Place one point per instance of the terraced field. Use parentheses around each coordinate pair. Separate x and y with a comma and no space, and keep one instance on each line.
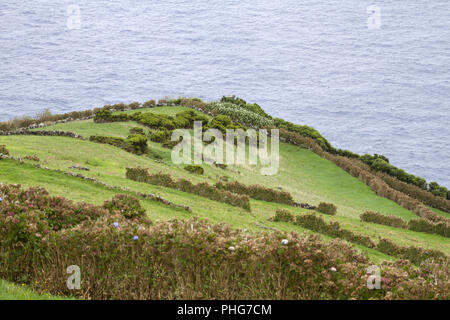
(306,176)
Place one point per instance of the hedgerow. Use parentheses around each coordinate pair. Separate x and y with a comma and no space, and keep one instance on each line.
(376,217)
(202,189)
(103,116)
(333,229)
(416,255)
(135,143)
(253,107)
(257,192)
(357,169)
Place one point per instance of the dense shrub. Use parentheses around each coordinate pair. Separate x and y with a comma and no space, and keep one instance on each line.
(3,150)
(202,189)
(134,105)
(375,217)
(161,135)
(138,142)
(283,215)
(194,169)
(327,208)
(149,104)
(333,229)
(126,205)
(253,107)
(238,114)
(257,192)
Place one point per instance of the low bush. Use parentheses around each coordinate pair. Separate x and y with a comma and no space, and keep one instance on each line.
(257,192)
(327,208)
(375,217)
(126,205)
(202,189)
(283,215)
(3,150)
(161,135)
(149,104)
(194,169)
(134,105)
(137,130)
(138,143)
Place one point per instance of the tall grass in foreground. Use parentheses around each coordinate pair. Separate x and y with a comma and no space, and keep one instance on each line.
(122,255)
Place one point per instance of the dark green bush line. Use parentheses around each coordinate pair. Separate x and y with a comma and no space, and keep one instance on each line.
(103,116)
(122,255)
(327,208)
(257,192)
(420,225)
(135,143)
(361,171)
(333,229)
(194,169)
(315,223)
(202,189)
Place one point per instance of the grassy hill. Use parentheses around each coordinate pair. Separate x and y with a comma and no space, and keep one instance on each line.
(305,175)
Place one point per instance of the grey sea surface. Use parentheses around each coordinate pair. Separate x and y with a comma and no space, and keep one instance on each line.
(370,90)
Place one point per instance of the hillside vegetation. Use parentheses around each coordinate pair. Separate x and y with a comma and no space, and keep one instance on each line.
(198,229)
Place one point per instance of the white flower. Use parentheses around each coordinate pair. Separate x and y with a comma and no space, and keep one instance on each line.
(284,241)
(231,248)
(333,269)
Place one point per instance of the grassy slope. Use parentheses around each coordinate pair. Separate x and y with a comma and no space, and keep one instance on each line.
(9,291)
(307,176)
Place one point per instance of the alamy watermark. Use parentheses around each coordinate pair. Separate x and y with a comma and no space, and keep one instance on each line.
(374,20)
(374,277)
(73,17)
(74,281)
(235,145)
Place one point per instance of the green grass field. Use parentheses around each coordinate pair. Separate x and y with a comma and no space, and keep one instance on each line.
(308,177)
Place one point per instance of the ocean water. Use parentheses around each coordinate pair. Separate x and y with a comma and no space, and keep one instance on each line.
(314,62)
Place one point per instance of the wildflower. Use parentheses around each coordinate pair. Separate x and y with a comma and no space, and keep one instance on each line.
(284,241)
(1,199)
(135,238)
(333,269)
(116,225)
(231,248)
